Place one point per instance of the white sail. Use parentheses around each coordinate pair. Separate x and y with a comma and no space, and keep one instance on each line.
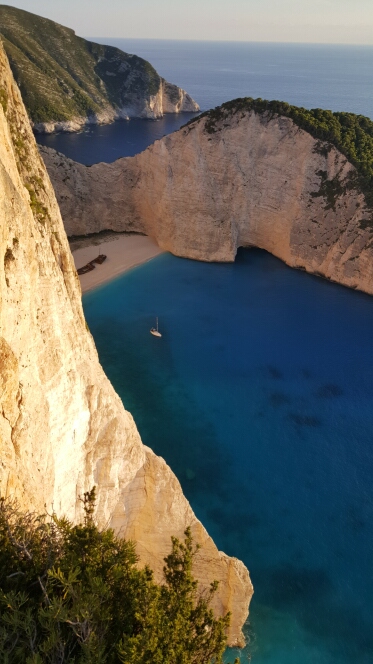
(154,330)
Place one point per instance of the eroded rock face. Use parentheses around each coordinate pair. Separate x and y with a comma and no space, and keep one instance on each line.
(63,429)
(168,99)
(256,181)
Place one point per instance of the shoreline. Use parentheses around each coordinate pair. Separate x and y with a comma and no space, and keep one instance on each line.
(123,252)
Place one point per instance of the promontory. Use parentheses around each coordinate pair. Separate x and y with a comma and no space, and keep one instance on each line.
(67,81)
(294,182)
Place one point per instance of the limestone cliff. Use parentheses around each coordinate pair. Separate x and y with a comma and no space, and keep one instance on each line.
(246,179)
(63,429)
(67,82)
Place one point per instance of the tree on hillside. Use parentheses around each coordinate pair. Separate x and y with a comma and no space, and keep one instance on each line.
(73,595)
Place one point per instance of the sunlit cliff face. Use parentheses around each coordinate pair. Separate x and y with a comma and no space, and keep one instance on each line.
(253,181)
(63,429)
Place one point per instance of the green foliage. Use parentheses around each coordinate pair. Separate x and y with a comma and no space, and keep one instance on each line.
(3,99)
(351,134)
(62,76)
(73,594)
(177,625)
(38,208)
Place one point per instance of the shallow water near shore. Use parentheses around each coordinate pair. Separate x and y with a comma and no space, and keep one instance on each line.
(259,397)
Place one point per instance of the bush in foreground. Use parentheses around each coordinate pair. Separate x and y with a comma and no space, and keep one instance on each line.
(73,594)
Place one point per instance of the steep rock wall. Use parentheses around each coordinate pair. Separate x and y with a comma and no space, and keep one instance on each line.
(255,180)
(169,98)
(63,429)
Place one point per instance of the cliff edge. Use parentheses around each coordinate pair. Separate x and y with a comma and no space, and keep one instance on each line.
(67,81)
(63,429)
(246,174)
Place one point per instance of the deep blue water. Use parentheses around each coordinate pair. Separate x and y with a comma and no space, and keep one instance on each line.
(339,78)
(259,396)
(110,142)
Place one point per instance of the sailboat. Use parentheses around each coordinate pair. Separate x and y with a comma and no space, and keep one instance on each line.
(155,331)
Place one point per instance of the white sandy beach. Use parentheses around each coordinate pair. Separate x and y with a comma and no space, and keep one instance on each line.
(123,252)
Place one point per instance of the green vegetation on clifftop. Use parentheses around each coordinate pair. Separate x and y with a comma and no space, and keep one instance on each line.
(351,134)
(74,594)
(62,76)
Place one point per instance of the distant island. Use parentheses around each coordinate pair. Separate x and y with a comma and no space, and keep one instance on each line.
(67,82)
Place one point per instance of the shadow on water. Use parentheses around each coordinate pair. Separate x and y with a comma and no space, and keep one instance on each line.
(288,584)
(123,138)
(256,418)
(329,391)
(308,595)
(277,399)
(275,373)
(304,420)
(168,419)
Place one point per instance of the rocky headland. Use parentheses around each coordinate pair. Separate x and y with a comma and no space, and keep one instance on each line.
(250,173)
(63,428)
(67,82)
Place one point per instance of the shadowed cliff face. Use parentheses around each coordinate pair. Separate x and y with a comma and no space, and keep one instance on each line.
(63,429)
(254,181)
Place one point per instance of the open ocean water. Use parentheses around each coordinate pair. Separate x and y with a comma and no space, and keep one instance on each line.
(259,393)
(336,77)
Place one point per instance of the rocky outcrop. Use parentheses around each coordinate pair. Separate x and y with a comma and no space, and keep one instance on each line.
(68,82)
(253,179)
(63,429)
(167,99)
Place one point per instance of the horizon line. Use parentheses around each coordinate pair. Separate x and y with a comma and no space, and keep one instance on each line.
(236,41)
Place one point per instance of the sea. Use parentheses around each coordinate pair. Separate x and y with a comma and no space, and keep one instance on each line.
(339,78)
(259,393)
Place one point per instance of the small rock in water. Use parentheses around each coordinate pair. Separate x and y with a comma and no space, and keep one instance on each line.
(190,474)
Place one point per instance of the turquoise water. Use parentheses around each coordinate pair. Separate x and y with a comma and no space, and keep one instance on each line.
(259,397)
(259,394)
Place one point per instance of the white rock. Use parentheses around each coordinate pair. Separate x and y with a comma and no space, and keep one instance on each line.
(63,428)
(169,99)
(256,181)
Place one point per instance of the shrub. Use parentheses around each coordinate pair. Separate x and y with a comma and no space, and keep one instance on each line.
(74,594)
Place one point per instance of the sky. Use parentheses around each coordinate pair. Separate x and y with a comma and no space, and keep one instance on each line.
(315,21)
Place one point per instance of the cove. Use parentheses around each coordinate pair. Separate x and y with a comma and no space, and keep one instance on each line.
(259,397)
